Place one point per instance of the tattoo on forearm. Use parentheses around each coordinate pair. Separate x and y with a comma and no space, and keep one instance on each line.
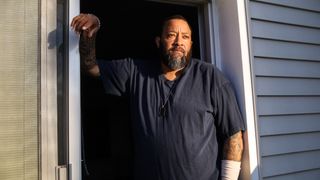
(87,52)
(233,147)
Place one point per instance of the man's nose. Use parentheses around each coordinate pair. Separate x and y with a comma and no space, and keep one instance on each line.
(178,40)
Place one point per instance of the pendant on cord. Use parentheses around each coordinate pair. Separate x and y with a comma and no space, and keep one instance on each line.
(162,110)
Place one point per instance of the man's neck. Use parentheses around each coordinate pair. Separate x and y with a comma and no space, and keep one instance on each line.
(170,74)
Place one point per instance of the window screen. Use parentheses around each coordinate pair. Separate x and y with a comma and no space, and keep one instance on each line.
(19,90)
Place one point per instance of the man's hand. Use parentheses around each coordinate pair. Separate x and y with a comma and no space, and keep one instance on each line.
(88,24)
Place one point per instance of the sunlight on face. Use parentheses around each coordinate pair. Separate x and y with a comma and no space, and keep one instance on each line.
(176,43)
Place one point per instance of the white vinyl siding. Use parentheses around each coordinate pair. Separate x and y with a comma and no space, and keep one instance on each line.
(285,39)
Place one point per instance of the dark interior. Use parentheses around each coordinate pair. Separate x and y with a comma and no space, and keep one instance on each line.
(128,30)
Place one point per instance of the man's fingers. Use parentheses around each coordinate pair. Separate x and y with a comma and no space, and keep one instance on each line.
(80,23)
(85,22)
(76,20)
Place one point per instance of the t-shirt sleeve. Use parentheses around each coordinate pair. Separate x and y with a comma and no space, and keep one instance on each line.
(228,116)
(115,75)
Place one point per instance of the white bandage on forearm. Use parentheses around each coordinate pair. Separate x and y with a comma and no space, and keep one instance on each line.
(230,170)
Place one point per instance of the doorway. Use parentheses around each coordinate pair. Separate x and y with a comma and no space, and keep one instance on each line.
(127,29)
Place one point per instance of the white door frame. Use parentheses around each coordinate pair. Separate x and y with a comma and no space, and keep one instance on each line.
(74,97)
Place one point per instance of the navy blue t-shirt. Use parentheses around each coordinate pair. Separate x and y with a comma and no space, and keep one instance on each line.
(179,126)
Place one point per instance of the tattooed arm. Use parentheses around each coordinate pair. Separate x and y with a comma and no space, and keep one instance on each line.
(87,26)
(233,147)
(88,55)
(232,154)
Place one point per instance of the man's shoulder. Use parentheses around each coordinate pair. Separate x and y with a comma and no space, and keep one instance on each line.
(211,70)
(203,65)
(145,66)
(144,62)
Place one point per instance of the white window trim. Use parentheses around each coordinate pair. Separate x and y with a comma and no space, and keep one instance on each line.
(74,97)
(49,110)
(48,117)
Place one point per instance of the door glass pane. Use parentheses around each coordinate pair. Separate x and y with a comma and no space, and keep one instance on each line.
(19,90)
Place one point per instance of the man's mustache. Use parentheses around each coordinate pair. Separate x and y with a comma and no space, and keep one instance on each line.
(177,49)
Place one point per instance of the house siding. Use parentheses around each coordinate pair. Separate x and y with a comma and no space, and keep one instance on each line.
(285,41)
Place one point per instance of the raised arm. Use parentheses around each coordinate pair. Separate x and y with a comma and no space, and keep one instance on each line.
(87,25)
(232,154)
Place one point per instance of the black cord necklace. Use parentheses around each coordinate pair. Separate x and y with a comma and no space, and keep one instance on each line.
(163,106)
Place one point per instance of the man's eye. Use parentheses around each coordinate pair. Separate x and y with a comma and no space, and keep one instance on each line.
(186,37)
(171,35)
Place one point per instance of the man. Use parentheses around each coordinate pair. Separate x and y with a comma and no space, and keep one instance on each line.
(186,122)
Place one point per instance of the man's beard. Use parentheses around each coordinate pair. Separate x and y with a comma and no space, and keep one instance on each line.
(174,62)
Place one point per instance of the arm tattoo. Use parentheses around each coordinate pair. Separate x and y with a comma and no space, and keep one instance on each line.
(87,52)
(233,147)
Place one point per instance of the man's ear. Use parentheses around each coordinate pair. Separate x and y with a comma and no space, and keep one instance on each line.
(157,41)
